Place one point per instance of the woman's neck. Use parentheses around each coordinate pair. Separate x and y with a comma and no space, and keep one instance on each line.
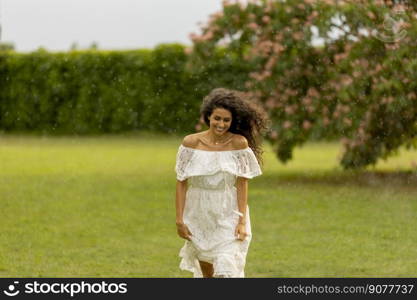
(215,139)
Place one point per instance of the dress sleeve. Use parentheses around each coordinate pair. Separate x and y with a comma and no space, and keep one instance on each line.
(247,164)
(184,156)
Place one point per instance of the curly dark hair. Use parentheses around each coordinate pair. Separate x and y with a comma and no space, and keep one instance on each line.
(248,118)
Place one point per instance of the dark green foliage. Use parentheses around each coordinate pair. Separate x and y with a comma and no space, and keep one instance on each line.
(92,91)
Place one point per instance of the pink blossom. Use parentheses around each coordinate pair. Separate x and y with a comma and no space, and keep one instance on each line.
(226,3)
(297,35)
(399,7)
(348,47)
(340,56)
(307,100)
(253,26)
(291,92)
(378,68)
(188,50)
(287,124)
(266,19)
(279,36)
(267,74)
(312,92)
(273,135)
(198,127)
(347,121)
(264,47)
(310,109)
(412,95)
(193,36)
(387,100)
(371,15)
(278,48)
(346,80)
(271,62)
(307,124)
(269,6)
(215,16)
(207,36)
(344,140)
(289,110)
(270,103)
(364,63)
(313,15)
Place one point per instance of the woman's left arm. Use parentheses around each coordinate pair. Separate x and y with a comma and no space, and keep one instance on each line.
(242,201)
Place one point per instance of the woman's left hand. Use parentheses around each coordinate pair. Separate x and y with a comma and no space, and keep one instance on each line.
(240,232)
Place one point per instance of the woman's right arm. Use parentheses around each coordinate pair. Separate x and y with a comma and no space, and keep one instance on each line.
(180,200)
(182,186)
(182,229)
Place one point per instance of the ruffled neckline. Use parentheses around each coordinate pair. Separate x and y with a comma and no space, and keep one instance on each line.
(196,162)
(245,149)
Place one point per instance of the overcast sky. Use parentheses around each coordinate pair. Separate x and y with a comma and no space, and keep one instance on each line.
(113,24)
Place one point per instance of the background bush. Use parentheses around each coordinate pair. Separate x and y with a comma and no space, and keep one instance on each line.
(359,85)
(92,91)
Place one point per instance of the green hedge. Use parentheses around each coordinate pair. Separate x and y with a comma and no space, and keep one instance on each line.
(80,92)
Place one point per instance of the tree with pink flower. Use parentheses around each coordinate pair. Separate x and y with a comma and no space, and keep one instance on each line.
(325,70)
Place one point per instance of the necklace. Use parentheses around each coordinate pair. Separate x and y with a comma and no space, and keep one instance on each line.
(216,143)
(220,142)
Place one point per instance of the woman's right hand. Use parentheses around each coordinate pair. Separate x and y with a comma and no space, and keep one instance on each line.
(183,231)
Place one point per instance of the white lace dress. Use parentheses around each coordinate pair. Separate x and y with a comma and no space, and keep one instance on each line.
(211,211)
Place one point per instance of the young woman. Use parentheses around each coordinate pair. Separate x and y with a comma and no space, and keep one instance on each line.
(213,168)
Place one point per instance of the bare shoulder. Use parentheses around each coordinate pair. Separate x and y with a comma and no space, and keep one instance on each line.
(239,142)
(190,140)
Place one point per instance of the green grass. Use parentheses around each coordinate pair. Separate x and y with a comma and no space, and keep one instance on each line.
(104,207)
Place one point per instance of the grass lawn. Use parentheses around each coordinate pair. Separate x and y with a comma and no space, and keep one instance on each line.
(105,207)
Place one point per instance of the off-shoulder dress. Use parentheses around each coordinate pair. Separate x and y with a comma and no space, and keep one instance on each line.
(211,209)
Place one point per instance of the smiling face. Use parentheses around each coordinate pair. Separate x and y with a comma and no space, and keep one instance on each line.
(220,121)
